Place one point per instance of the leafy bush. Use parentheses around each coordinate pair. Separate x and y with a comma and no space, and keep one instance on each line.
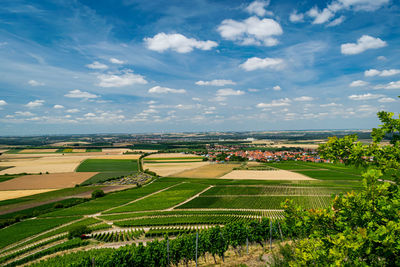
(78,231)
(98,193)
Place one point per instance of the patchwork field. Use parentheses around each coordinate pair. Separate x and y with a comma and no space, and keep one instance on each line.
(165,169)
(195,197)
(46,181)
(208,171)
(265,175)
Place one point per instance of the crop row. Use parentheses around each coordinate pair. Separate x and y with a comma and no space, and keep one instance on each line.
(270,190)
(182,220)
(118,236)
(77,242)
(28,228)
(181,212)
(27,249)
(255,202)
(170,231)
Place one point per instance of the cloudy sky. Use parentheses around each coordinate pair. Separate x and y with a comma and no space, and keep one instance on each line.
(71,66)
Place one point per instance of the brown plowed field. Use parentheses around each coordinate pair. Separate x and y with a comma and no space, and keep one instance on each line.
(208,171)
(46,181)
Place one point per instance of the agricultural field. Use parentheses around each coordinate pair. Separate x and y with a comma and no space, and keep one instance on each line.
(166,169)
(198,195)
(107,165)
(40,163)
(208,171)
(323,171)
(265,175)
(46,181)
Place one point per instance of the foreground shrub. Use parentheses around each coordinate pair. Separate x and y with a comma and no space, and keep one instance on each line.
(98,193)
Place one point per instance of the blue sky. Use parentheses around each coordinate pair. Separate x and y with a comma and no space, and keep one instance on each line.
(172,66)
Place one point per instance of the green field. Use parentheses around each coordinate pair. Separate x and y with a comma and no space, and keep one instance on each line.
(29,228)
(254,202)
(94,150)
(271,191)
(108,165)
(163,200)
(111,200)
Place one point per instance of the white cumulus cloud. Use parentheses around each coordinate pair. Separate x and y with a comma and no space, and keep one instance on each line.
(58,106)
(97,66)
(364,43)
(176,42)
(358,83)
(216,83)
(73,110)
(296,17)
(387,100)
(116,61)
(258,8)
(164,90)
(80,94)
(251,31)
(120,79)
(391,85)
(275,103)
(35,104)
(383,73)
(304,98)
(24,113)
(276,88)
(367,96)
(262,63)
(320,16)
(229,91)
(3,103)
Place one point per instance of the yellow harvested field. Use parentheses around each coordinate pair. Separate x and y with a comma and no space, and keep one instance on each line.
(53,164)
(3,150)
(165,169)
(171,155)
(79,150)
(265,175)
(33,151)
(46,181)
(4,195)
(208,171)
(127,156)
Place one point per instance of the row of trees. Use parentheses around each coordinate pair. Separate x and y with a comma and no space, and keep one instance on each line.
(182,249)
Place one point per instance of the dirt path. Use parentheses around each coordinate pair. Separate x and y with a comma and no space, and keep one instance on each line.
(189,199)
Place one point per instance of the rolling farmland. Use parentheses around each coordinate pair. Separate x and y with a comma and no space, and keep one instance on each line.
(199,195)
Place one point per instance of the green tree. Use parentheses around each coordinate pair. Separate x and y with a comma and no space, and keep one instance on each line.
(359,228)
